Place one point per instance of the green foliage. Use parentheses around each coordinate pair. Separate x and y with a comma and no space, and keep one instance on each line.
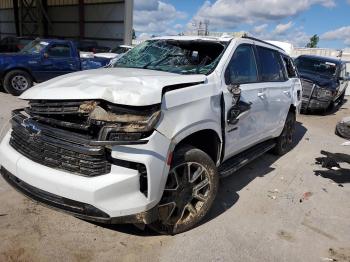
(313,41)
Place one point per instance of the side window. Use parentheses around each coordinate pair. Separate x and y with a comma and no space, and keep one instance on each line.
(59,50)
(291,70)
(242,67)
(271,68)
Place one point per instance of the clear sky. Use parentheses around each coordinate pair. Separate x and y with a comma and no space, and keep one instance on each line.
(285,20)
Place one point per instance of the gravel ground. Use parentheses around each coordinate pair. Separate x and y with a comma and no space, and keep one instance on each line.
(275,209)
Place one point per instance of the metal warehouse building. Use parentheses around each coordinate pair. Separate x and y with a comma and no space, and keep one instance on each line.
(109,22)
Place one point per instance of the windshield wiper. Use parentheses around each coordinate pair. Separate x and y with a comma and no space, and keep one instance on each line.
(161,60)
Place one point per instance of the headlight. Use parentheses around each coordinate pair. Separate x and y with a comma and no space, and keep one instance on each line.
(129,130)
(121,123)
(323,93)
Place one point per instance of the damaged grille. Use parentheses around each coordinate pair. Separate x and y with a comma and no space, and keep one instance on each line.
(77,136)
(54,107)
(56,148)
(307,88)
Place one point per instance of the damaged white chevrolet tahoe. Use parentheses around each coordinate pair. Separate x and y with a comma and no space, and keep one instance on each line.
(147,140)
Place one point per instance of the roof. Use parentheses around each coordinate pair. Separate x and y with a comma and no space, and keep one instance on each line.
(224,38)
(323,58)
(193,38)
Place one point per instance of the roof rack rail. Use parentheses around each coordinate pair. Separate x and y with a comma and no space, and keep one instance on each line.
(261,41)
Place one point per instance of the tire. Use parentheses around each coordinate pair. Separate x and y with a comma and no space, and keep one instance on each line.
(284,142)
(17,81)
(187,199)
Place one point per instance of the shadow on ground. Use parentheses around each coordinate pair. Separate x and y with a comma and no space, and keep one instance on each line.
(333,170)
(227,195)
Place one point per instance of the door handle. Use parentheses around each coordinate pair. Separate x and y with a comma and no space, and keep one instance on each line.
(262,95)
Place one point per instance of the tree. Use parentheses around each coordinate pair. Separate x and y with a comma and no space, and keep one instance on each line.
(313,41)
(133,34)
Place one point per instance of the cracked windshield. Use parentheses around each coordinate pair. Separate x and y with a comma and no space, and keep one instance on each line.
(182,57)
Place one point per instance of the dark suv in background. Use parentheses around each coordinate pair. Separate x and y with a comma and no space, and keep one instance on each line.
(324,81)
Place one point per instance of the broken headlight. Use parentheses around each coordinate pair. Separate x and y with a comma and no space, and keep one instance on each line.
(125,127)
(323,93)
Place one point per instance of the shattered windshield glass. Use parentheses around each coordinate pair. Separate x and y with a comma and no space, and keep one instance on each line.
(182,57)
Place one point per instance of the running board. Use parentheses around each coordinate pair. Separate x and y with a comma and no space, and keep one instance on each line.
(236,162)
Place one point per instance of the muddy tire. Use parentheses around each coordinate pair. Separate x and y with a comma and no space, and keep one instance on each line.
(17,81)
(189,193)
(284,142)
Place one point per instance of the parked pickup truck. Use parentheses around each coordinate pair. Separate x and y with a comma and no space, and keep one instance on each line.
(324,81)
(42,60)
(147,140)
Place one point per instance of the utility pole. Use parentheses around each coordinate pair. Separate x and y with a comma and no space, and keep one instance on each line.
(201,27)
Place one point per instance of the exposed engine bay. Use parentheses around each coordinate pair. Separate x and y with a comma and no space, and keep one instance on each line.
(98,120)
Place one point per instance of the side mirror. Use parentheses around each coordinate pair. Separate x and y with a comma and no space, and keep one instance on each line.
(236,91)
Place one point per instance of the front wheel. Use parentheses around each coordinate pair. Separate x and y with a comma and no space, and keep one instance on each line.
(284,142)
(17,81)
(189,192)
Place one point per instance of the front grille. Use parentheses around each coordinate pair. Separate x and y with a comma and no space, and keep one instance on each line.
(307,88)
(55,107)
(57,149)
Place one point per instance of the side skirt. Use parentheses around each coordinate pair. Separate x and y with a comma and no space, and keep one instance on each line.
(235,163)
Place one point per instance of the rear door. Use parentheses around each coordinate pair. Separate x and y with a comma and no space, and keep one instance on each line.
(59,60)
(278,89)
(242,70)
(292,74)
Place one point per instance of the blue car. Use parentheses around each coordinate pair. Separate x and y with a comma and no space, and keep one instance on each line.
(42,60)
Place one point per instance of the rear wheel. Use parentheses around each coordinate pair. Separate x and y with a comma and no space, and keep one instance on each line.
(17,81)
(189,193)
(285,140)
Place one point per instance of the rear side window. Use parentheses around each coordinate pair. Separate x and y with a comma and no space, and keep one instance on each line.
(242,68)
(291,70)
(271,68)
(59,50)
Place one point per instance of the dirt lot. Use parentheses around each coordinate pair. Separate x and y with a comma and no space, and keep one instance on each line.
(275,209)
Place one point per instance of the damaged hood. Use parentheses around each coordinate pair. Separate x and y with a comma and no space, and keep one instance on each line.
(127,86)
(320,80)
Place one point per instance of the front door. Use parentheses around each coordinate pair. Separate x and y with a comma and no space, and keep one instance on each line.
(58,60)
(250,128)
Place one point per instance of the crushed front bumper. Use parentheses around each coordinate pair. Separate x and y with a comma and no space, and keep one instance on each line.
(117,194)
(315,104)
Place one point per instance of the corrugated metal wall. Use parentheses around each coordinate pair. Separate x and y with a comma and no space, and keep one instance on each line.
(107,21)
(7,25)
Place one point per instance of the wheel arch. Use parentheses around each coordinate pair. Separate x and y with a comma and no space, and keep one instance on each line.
(293,109)
(8,70)
(207,140)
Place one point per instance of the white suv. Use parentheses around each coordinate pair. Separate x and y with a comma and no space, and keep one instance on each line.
(147,140)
